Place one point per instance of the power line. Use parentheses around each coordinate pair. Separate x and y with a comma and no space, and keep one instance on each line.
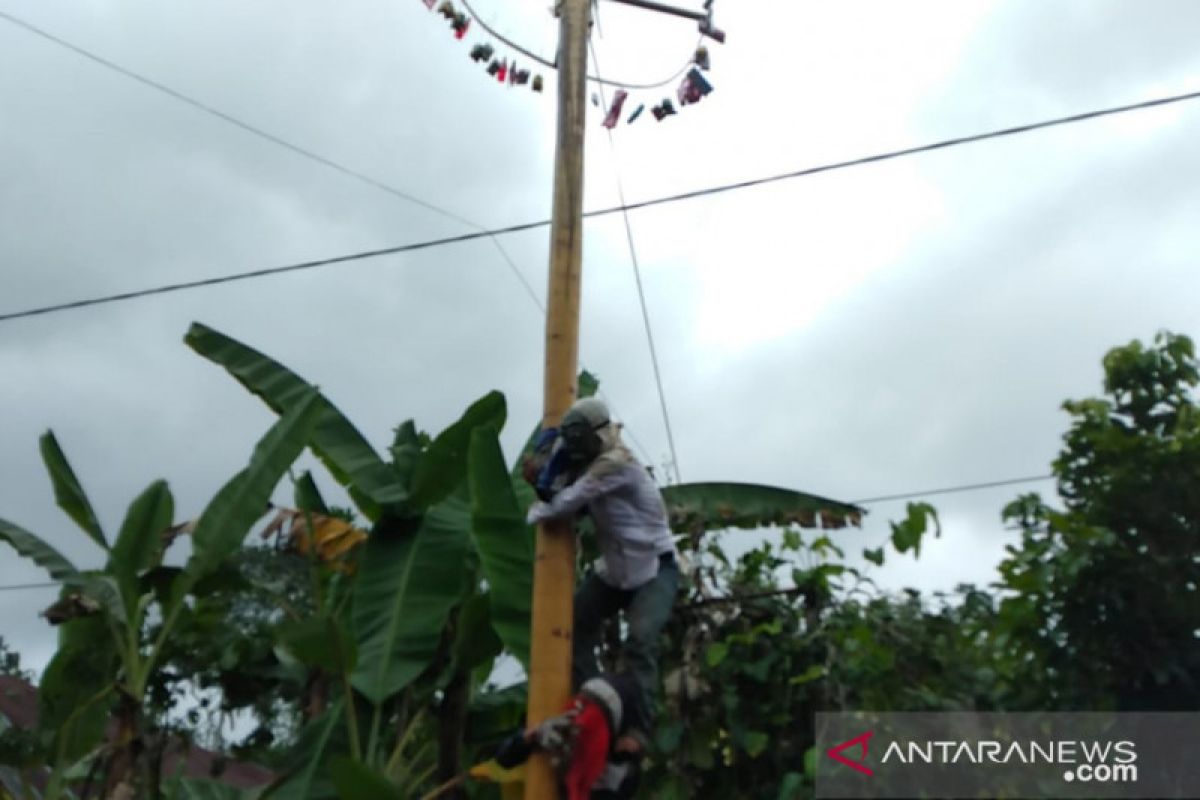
(221,115)
(970,487)
(294,148)
(625,429)
(260,273)
(674,198)
(266,136)
(637,274)
(908,151)
(19,586)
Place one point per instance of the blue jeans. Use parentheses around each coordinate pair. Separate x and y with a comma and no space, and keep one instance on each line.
(647,610)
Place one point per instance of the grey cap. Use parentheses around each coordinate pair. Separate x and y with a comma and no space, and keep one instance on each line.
(603,693)
(589,411)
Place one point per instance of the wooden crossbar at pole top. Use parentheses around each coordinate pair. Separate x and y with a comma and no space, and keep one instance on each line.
(554,563)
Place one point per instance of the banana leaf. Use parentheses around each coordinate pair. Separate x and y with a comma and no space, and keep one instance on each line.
(335,441)
(68,492)
(406,586)
(72,705)
(98,587)
(307,775)
(443,465)
(140,540)
(228,517)
(504,542)
(356,781)
(319,642)
(694,507)
(495,714)
(475,641)
(308,496)
(41,553)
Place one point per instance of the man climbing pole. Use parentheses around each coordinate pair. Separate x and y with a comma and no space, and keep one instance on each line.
(583,741)
(591,468)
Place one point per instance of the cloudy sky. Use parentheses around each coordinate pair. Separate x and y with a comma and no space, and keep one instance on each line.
(902,326)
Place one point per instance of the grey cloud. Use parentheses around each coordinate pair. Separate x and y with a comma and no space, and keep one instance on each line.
(946,363)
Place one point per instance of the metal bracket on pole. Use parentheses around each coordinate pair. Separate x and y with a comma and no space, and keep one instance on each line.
(704,17)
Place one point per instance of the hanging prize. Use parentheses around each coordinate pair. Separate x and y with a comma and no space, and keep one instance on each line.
(614,113)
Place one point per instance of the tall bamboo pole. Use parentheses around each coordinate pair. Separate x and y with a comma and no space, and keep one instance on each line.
(554,565)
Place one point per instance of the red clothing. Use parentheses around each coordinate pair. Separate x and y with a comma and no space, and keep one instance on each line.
(590,753)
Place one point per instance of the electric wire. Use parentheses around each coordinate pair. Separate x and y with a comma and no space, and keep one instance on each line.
(625,429)
(545,62)
(637,274)
(624,208)
(260,273)
(666,199)
(296,149)
(902,153)
(970,487)
(637,443)
(316,157)
(267,136)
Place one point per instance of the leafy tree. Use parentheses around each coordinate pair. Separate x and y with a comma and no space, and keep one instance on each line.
(220,663)
(444,582)
(106,657)
(10,663)
(442,585)
(21,752)
(790,629)
(370,651)
(1095,608)
(364,659)
(1104,591)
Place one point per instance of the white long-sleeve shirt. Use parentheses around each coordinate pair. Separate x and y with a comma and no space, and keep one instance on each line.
(630,517)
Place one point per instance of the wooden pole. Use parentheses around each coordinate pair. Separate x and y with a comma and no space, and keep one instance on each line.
(554,564)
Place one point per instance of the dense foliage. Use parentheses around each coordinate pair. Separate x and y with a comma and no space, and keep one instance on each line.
(10,662)
(1103,593)
(351,651)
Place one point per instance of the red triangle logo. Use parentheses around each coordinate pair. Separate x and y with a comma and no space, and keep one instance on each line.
(861,740)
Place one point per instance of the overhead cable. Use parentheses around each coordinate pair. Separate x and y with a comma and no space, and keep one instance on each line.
(969,487)
(637,275)
(267,136)
(673,198)
(907,496)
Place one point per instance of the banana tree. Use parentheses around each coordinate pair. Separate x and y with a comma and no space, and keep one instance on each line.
(442,583)
(449,559)
(105,658)
(700,507)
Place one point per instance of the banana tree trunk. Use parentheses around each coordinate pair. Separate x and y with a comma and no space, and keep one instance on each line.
(452,725)
(316,695)
(120,783)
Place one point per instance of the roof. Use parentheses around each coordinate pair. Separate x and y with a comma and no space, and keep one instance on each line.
(18,702)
